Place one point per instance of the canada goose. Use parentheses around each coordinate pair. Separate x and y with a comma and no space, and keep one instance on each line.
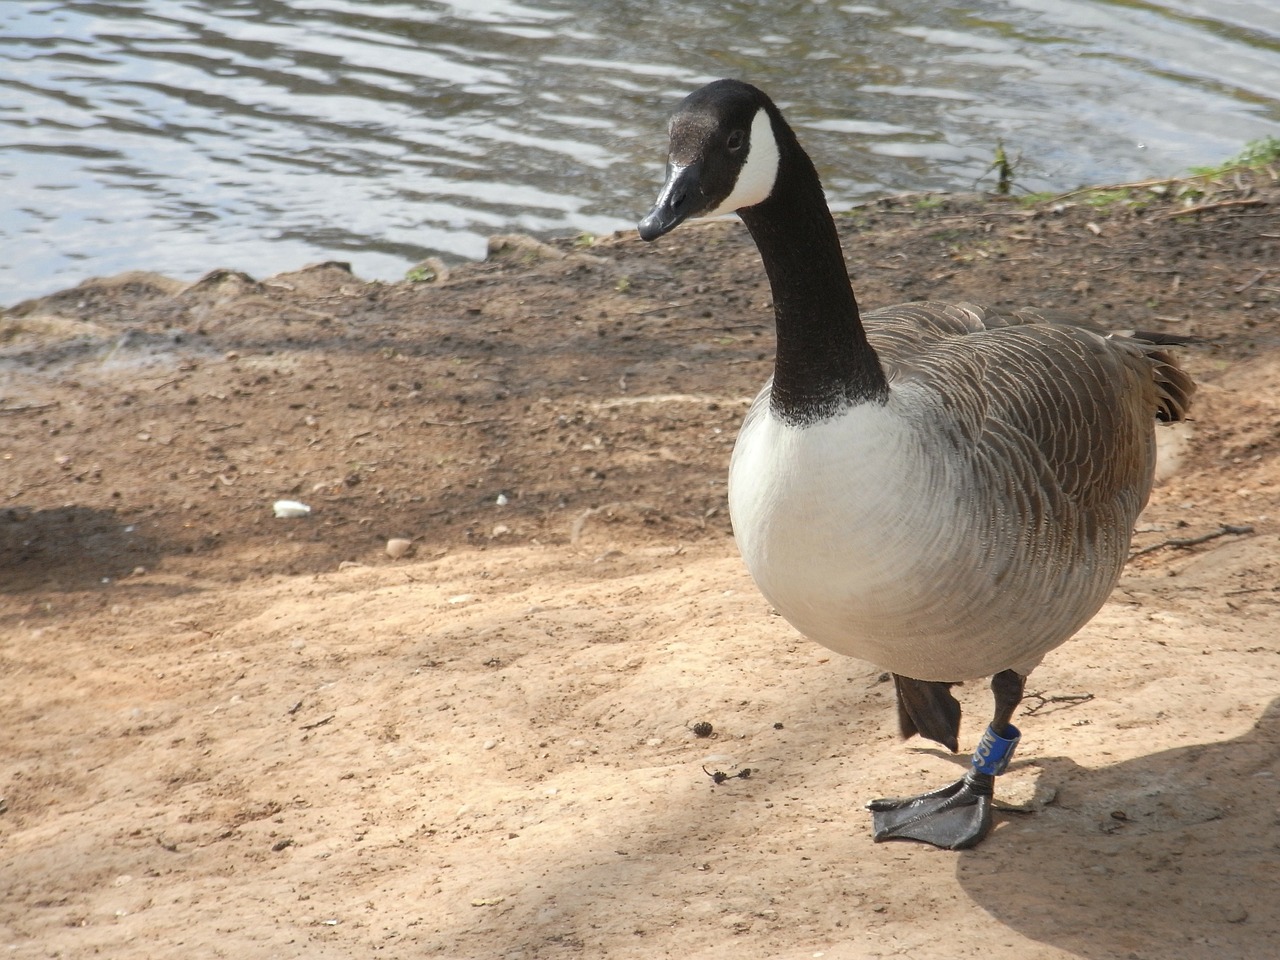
(943,490)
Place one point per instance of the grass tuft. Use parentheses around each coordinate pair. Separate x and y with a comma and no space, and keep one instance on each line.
(1256,153)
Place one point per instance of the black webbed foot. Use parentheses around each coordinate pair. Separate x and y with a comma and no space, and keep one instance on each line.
(955,818)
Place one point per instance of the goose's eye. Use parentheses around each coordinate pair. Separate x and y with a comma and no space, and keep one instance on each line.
(736,140)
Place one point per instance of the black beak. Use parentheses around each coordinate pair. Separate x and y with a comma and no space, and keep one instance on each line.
(681,197)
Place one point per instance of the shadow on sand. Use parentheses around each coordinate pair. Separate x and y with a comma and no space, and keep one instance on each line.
(68,548)
(1187,841)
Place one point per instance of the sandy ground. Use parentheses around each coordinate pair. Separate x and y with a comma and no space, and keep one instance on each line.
(230,735)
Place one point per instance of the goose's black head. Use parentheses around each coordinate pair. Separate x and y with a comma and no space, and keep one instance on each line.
(723,156)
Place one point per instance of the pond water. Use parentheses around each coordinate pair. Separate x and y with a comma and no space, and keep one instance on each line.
(262,135)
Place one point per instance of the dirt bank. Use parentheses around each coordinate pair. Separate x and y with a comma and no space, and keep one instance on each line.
(227,734)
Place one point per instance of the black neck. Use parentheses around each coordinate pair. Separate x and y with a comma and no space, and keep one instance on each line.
(824,362)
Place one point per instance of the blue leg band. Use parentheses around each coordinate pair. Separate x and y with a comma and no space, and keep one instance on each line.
(994,753)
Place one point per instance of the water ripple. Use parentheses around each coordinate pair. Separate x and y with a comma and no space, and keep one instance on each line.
(261,135)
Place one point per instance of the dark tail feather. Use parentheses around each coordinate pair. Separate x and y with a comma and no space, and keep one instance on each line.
(1173,383)
(1162,339)
(927,707)
(1175,386)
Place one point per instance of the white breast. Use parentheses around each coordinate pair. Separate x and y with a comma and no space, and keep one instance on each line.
(872,537)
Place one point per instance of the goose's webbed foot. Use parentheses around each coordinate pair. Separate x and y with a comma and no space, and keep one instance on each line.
(957,816)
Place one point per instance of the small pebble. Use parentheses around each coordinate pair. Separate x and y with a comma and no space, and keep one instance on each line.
(1234,913)
(286,509)
(397,547)
(502,500)
(702,729)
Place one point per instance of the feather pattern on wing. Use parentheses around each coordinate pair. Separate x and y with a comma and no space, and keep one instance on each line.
(980,516)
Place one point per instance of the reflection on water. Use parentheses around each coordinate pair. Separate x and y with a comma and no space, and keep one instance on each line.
(261,135)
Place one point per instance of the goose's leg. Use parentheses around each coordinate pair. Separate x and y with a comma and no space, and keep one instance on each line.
(959,816)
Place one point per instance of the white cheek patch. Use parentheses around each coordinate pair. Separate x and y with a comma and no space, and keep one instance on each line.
(757,176)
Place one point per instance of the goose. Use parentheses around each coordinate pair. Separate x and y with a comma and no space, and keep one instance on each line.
(944,490)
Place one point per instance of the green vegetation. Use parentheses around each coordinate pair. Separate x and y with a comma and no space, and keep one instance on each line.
(1004,170)
(1256,153)
(1188,190)
(1107,198)
(1031,199)
(420,274)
